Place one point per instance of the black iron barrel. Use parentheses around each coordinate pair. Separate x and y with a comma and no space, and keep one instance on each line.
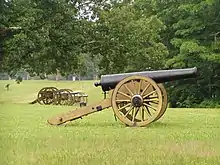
(109,81)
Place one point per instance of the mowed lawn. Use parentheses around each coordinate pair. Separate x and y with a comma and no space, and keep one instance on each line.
(180,137)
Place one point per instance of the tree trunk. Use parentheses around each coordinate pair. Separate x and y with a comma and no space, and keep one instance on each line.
(95,77)
(57,75)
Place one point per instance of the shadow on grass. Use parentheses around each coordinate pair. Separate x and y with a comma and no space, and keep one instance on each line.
(162,125)
(108,124)
(156,125)
(91,124)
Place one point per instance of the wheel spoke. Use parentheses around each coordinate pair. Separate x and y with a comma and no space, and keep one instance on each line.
(148,105)
(125,85)
(132,113)
(125,106)
(135,114)
(124,94)
(46,100)
(155,102)
(142,114)
(151,100)
(149,94)
(153,97)
(129,110)
(139,89)
(148,85)
(134,87)
(147,111)
(123,100)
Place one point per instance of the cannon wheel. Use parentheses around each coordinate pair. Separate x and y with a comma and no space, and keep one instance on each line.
(73,99)
(137,101)
(59,97)
(165,101)
(46,95)
(164,104)
(64,97)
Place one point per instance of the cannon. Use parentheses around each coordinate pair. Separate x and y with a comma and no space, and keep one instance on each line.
(46,96)
(55,96)
(69,97)
(137,98)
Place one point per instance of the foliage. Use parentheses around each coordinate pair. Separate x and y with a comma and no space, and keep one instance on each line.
(127,41)
(50,38)
(210,104)
(18,79)
(192,36)
(88,37)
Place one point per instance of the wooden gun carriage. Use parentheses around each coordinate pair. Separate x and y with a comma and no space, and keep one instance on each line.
(52,95)
(137,98)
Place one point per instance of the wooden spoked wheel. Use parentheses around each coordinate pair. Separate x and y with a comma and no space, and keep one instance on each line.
(57,98)
(165,101)
(137,101)
(64,97)
(73,99)
(46,95)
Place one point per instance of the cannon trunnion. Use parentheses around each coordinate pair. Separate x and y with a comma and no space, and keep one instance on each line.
(137,98)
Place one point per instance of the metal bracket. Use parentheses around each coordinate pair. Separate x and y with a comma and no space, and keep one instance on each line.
(99,108)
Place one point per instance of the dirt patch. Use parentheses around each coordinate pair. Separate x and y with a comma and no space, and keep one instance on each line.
(194,148)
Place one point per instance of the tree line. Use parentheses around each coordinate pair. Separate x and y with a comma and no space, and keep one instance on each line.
(112,36)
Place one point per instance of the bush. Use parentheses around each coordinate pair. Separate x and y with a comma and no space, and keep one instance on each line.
(42,77)
(19,79)
(210,104)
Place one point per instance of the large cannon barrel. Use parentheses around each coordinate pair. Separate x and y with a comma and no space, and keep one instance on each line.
(109,81)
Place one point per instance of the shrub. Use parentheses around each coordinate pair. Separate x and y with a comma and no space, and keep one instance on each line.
(210,104)
(19,79)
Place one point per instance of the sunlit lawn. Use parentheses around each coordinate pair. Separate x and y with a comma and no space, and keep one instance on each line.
(182,136)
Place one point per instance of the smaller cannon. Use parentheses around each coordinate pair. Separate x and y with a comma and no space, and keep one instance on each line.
(69,97)
(137,98)
(46,96)
(54,96)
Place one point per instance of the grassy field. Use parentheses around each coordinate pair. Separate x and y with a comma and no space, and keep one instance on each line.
(181,137)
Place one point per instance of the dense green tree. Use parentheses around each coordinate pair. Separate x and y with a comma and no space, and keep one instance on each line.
(127,41)
(192,37)
(4,15)
(111,36)
(50,39)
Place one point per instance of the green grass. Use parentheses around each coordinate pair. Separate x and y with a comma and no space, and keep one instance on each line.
(182,136)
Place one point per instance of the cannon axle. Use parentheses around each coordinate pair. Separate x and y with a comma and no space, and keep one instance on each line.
(137,101)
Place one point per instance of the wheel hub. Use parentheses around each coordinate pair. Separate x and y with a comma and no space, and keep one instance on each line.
(137,101)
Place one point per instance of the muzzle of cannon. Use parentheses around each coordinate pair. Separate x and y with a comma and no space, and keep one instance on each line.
(137,98)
